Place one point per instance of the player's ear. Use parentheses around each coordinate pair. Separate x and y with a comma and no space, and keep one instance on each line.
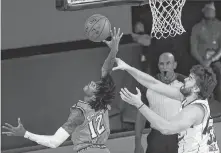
(196,89)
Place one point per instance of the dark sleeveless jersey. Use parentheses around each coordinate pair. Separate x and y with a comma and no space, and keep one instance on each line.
(94,131)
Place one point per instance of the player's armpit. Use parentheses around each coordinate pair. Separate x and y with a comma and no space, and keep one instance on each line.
(75,119)
(190,116)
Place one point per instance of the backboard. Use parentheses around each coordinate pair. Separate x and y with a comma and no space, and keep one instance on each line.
(75,5)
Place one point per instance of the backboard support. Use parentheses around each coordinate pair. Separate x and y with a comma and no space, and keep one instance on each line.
(75,5)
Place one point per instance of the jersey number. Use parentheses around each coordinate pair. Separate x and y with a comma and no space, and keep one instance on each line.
(99,129)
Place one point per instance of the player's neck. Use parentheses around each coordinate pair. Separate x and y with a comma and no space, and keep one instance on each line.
(189,99)
(86,99)
(192,97)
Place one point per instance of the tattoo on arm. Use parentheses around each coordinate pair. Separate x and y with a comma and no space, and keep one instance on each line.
(108,67)
(109,63)
(75,119)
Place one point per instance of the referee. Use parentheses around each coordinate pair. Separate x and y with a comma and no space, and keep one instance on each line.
(163,106)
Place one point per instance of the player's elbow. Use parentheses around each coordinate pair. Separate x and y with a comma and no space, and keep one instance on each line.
(167,132)
(55,143)
(53,146)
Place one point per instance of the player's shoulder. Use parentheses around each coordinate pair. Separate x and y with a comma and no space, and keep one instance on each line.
(84,106)
(201,101)
(202,109)
(195,106)
(199,104)
(186,103)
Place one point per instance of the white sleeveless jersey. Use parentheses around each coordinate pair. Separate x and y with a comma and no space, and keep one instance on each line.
(196,138)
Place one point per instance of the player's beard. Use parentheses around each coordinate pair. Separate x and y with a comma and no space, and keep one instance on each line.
(185,91)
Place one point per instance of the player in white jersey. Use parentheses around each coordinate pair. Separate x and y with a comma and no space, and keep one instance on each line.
(191,123)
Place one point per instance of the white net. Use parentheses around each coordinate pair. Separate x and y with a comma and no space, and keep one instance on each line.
(166,18)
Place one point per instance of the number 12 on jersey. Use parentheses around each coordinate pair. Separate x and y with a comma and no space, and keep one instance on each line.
(95,126)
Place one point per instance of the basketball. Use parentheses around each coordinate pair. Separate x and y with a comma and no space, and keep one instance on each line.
(97,28)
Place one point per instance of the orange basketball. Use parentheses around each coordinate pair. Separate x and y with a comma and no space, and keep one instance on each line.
(97,28)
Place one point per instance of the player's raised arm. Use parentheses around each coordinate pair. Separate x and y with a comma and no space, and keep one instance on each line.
(113,45)
(75,119)
(150,82)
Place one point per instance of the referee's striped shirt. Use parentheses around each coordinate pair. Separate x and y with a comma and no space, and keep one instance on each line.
(162,105)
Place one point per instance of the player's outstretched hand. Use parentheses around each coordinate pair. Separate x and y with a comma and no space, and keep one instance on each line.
(14,131)
(130,98)
(115,39)
(121,65)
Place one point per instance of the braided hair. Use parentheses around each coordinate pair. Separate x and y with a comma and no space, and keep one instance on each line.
(105,93)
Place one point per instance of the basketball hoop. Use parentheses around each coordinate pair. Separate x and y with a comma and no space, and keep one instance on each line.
(166,13)
(166,18)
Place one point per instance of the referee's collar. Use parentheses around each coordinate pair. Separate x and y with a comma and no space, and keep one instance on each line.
(164,81)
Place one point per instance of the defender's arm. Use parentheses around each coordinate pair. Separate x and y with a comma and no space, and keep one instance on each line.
(154,84)
(189,116)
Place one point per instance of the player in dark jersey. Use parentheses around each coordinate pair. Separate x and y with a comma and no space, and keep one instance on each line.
(88,122)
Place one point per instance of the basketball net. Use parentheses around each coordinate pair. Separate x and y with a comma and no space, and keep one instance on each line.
(166,18)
